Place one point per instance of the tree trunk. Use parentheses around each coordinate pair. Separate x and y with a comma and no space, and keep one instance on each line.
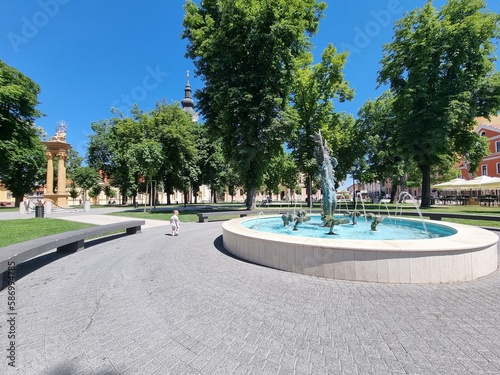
(394,189)
(250,202)
(426,186)
(123,193)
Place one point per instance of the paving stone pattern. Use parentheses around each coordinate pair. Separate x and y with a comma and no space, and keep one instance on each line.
(156,304)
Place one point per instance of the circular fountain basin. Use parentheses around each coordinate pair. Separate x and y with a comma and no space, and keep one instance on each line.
(466,255)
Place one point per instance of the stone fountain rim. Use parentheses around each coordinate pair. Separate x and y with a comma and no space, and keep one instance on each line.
(468,238)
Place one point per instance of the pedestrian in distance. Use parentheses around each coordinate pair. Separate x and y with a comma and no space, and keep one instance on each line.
(175,223)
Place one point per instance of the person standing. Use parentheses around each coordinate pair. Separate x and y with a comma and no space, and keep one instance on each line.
(175,223)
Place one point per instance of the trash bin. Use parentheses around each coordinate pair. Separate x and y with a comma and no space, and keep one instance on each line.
(39,211)
(136,205)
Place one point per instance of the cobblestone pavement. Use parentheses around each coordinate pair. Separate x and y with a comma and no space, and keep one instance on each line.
(156,304)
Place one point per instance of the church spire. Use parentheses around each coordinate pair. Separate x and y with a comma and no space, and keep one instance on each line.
(188,103)
(187,89)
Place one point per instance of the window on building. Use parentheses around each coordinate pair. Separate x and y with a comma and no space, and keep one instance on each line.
(498,146)
(484,170)
(483,134)
(9,194)
(498,168)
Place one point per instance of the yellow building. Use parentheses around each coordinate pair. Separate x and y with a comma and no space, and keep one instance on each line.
(6,198)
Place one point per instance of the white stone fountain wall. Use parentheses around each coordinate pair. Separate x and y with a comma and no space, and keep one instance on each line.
(467,255)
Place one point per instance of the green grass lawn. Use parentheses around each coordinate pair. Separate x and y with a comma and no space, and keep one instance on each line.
(19,230)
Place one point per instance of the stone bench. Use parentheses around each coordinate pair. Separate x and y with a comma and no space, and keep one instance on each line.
(203,216)
(67,242)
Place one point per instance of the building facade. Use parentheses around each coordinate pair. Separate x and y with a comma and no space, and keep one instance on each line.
(490,165)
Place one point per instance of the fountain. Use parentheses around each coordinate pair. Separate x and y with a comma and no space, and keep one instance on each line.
(441,253)
(326,165)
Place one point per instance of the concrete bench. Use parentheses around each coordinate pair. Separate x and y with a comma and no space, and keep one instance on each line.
(203,216)
(67,242)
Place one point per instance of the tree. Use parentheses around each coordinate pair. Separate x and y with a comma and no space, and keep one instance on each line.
(214,170)
(315,88)
(87,178)
(232,182)
(108,151)
(22,155)
(146,159)
(159,145)
(94,192)
(101,147)
(74,162)
(281,172)
(440,67)
(245,53)
(25,169)
(73,193)
(18,101)
(175,131)
(383,156)
(110,193)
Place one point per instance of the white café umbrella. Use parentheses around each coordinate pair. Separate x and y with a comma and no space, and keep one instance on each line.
(476,183)
(494,183)
(452,184)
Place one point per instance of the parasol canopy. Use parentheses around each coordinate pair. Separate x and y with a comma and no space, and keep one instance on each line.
(452,184)
(494,183)
(476,183)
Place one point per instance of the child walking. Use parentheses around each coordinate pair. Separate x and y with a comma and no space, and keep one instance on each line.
(175,222)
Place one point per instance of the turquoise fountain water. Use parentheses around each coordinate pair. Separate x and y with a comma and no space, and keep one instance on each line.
(402,229)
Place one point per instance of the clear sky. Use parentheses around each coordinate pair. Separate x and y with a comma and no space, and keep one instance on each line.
(88,56)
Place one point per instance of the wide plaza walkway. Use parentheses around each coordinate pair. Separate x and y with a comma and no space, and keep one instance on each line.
(151,303)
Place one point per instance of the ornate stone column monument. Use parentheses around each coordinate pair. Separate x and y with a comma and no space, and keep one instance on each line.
(57,146)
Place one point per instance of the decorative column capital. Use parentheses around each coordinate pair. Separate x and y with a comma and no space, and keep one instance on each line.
(62,155)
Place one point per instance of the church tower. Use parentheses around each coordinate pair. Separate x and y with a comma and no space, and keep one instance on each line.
(188,103)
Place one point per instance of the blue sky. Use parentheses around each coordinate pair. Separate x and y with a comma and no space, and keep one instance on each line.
(88,56)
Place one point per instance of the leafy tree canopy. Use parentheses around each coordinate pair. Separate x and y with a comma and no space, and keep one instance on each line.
(18,101)
(245,53)
(440,67)
(22,155)
(314,91)
(158,145)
